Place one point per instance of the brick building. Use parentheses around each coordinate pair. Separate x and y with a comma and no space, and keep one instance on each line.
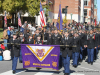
(89,11)
(74,7)
(95,9)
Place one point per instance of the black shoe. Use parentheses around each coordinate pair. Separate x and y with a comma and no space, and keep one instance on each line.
(38,69)
(66,74)
(91,63)
(20,61)
(14,71)
(75,66)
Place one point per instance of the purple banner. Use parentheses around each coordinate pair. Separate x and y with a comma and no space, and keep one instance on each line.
(42,56)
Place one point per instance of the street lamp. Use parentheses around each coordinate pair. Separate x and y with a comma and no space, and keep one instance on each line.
(71,17)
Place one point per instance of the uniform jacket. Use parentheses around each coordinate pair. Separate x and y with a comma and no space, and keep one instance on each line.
(76,42)
(66,49)
(14,48)
(56,40)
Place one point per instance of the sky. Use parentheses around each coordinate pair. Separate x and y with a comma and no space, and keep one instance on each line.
(98,9)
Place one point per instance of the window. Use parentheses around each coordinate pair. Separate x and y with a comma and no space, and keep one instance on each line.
(86,2)
(85,12)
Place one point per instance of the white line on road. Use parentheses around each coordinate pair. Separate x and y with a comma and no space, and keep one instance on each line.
(87,68)
(10,72)
(76,74)
(44,73)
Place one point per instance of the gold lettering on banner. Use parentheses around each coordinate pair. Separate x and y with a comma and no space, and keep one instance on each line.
(36,64)
(27,53)
(27,63)
(54,55)
(54,64)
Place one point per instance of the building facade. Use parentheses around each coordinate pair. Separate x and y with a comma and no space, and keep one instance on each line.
(89,11)
(74,9)
(95,9)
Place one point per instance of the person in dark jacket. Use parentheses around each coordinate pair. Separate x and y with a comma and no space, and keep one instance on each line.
(30,40)
(15,52)
(21,41)
(56,38)
(66,52)
(49,39)
(76,50)
(91,45)
(39,41)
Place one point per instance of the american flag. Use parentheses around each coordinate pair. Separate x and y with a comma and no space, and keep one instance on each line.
(5,18)
(19,20)
(42,16)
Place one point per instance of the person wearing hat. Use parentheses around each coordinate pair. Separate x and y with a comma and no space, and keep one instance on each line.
(38,40)
(96,43)
(66,52)
(30,39)
(76,50)
(49,39)
(15,52)
(21,41)
(56,38)
(36,34)
(27,34)
(90,44)
(82,40)
(45,35)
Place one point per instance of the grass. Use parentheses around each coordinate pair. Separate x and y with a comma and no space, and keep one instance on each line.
(1,33)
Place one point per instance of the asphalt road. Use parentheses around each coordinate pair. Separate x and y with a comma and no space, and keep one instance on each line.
(83,69)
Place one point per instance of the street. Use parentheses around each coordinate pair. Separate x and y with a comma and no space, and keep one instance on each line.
(83,69)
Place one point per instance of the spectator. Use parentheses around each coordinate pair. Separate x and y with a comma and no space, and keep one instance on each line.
(12,31)
(8,32)
(1,51)
(22,29)
(5,36)
(33,29)
(6,55)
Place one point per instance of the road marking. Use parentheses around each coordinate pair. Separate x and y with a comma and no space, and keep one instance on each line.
(44,73)
(76,74)
(10,72)
(96,63)
(87,68)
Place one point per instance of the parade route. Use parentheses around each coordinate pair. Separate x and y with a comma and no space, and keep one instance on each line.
(83,69)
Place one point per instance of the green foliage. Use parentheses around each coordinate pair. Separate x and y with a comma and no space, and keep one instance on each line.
(33,7)
(13,6)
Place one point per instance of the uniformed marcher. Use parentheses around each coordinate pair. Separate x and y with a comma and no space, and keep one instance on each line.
(15,52)
(30,39)
(66,52)
(45,35)
(90,44)
(56,38)
(21,41)
(76,50)
(38,40)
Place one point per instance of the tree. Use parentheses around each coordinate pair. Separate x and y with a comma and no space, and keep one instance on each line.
(33,7)
(14,6)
